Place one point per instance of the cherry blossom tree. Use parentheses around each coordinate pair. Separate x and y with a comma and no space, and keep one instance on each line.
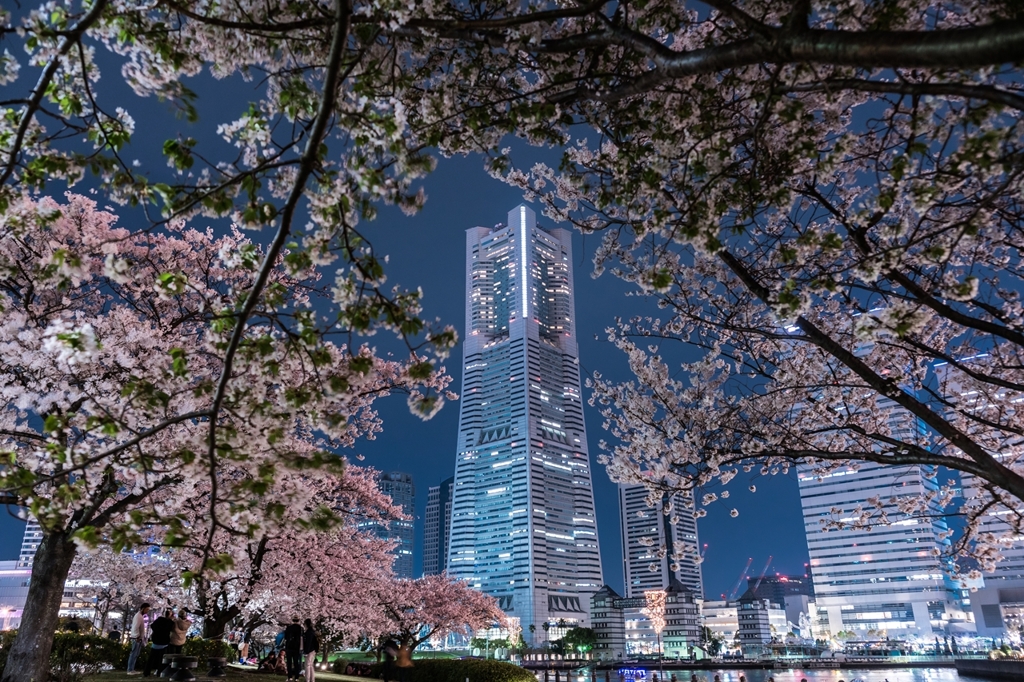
(111,350)
(432,606)
(122,581)
(314,570)
(826,209)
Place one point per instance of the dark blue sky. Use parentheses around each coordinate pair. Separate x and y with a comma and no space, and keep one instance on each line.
(427,250)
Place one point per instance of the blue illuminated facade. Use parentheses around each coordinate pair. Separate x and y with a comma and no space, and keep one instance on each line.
(523,525)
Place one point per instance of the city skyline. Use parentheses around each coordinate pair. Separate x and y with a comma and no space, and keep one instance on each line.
(461,194)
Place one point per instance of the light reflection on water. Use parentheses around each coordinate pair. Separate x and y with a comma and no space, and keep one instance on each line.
(826,675)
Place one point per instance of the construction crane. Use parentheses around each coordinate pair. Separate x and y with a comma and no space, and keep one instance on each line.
(743,575)
(763,573)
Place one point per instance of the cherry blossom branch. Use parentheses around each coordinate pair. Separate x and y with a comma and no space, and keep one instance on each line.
(919,292)
(996,472)
(71,37)
(960,48)
(966,90)
(305,169)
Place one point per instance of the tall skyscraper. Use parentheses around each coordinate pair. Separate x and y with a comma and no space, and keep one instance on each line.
(656,551)
(437,519)
(523,525)
(29,543)
(400,488)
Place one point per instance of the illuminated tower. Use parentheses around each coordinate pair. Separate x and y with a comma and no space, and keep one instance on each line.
(523,526)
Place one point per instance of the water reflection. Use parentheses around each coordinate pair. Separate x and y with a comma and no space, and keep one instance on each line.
(851,675)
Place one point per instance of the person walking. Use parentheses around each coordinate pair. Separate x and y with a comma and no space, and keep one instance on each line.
(310,645)
(293,649)
(137,635)
(160,639)
(181,627)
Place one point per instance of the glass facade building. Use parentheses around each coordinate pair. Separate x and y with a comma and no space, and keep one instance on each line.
(437,519)
(523,527)
(29,543)
(655,550)
(891,578)
(400,488)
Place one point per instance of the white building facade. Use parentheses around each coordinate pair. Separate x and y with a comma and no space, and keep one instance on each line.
(655,550)
(523,527)
(890,578)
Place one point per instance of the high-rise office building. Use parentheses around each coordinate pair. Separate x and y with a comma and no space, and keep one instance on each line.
(29,543)
(400,488)
(892,577)
(997,599)
(523,526)
(437,519)
(655,550)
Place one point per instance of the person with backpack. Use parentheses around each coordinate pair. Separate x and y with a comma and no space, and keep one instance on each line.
(310,645)
(293,649)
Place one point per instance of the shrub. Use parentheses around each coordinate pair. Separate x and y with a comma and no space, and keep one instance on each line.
(455,670)
(75,655)
(6,640)
(204,648)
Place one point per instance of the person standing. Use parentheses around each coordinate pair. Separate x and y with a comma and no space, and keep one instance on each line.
(160,638)
(293,649)
(137,635)
(181,627)
(310,645)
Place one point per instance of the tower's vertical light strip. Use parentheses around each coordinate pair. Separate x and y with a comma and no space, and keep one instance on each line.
(522,258)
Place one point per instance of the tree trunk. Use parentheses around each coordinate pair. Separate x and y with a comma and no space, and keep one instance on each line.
(29,659)
(215,625)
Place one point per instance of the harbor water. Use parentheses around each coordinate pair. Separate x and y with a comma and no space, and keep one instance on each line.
(795,675)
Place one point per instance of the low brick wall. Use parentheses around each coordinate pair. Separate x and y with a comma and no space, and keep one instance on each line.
(993,670)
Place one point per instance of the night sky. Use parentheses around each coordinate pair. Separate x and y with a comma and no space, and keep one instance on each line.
(427,250)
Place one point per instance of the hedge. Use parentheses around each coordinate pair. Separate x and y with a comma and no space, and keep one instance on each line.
(74,654)
(204,648)
(455,670)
